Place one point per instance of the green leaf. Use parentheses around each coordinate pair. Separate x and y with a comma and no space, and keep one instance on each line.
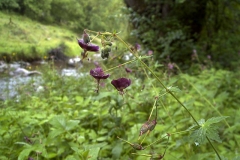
(54,133)
(207,129)
(58,122)
(24,154)
(71,124)
(117,150)
(93,153)
(23,143)
(215,120)
(174,89)
(79,99)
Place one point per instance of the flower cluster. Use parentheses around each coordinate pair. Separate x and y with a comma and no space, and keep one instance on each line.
(119,84)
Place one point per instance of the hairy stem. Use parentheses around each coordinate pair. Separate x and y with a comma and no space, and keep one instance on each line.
(167,90)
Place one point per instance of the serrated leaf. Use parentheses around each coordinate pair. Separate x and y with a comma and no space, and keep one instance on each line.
(208,130)
(199,135)
(215,120)
(213,134)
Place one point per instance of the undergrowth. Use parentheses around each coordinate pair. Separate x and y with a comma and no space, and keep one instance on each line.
(196,116)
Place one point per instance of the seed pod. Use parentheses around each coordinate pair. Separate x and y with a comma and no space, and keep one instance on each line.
(152,125)
(147,126)
(144,128)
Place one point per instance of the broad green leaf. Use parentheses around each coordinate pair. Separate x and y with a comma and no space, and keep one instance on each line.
(79,99)
(117,150)
(24,154)
(71,157)
(93,153)
(54,133)
(58,122)
(71,124)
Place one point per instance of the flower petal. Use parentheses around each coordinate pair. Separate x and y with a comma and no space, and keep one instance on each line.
(98,73)
(121,83)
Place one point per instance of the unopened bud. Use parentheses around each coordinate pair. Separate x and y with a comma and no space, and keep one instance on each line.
(86,38)
(105,52)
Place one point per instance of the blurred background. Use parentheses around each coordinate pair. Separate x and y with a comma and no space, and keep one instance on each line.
(175,30)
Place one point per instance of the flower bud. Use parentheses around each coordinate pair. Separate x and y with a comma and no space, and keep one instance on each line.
(86,38)
(105,52)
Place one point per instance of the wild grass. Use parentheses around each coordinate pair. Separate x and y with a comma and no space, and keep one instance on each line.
(25,38)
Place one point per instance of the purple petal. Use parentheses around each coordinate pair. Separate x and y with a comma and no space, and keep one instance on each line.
(92,48)
(82,44)
(98,73)
(121,83)
(88,47)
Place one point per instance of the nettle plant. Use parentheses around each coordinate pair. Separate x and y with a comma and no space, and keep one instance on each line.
(200,132)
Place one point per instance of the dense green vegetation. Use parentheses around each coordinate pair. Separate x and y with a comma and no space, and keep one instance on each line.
(181,76)
(29,29)
(67,119)
(174,29)
(22,38)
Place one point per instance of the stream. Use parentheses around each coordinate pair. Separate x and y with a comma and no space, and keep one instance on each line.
(11,80)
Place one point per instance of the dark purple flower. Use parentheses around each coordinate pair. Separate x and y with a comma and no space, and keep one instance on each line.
(88,47)
(98,74)
(128,70)
(121,84)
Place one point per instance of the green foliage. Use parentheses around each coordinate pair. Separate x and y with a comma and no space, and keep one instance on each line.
(173,29)
(22,38)
(69,120)
(207,130)
(74,14)
(9,4)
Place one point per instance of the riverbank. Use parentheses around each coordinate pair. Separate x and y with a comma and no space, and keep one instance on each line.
(24,39)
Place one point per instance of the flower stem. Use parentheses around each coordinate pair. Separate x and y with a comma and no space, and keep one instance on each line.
(126,63)
(167,90)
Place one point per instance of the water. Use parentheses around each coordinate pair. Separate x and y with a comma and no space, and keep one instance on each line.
(11,83)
